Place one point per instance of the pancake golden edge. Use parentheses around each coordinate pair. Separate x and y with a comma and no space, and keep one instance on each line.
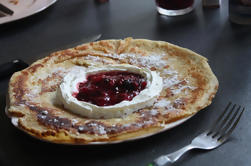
(189,86)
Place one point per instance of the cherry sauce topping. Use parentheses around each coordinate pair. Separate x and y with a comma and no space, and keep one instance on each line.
(110,88)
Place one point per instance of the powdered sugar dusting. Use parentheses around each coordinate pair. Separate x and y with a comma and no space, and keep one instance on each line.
(119,56)
(98,59)
(148,122)
(46,81)
(98,128)
(127,125)
(33,92)
(154,112)
(154,60)
(173,80)
(101,130)
(180,88)
(42,116)
(149,61)
(166,104)
(59,70)
(169,72)
(162,103)
(178,101)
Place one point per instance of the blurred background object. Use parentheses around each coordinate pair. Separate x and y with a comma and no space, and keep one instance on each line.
(211,3)
(240,11)
(101,1)
(246,2)
(174,7)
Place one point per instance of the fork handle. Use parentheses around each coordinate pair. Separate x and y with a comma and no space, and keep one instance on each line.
(172,157)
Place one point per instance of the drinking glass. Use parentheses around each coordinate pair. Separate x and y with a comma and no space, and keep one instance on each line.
(174,7)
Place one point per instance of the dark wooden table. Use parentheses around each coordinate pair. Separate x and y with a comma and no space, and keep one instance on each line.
(206,31)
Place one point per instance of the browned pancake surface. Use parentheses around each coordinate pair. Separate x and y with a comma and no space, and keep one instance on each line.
(189,86)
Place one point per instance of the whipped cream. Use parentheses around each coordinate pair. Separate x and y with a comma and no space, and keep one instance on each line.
(145,98)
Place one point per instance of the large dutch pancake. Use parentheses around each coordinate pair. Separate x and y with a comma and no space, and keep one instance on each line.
(189,85)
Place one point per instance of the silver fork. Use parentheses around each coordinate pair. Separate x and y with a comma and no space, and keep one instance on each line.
(210,139)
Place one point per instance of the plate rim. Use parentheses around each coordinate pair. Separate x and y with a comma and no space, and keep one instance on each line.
(31,12)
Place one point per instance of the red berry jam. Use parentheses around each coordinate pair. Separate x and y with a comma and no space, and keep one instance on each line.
(174,4)
(109,88)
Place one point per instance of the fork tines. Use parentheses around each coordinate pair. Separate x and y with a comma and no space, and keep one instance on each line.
(226,123)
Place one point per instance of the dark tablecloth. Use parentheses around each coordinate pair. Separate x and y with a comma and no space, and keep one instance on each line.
(205,31)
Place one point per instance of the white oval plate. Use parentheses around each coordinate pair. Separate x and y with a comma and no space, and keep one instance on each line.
(24,8)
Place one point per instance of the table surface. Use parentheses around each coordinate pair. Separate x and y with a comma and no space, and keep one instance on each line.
(205,31)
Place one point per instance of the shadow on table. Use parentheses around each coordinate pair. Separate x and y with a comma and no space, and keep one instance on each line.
(179,30)
(165,24)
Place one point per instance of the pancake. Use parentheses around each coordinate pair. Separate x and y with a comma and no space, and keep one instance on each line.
(189,85)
